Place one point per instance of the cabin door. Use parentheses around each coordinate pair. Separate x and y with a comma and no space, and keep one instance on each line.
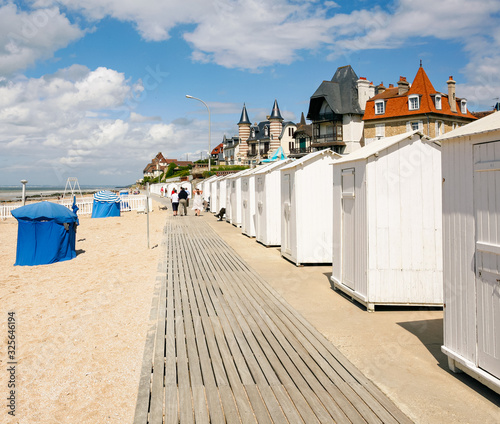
(259,194)
(245,211)
(487,216)
(287,201)
(348,240)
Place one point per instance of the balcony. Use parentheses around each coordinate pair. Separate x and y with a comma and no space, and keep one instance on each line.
(328,138)
(301,150)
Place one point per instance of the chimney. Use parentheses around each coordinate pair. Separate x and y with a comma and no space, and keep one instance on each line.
(403,86)
(391,85)
(364,92)
(451,94)
(379,88)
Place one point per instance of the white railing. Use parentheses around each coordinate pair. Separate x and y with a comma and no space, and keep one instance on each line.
(128,203)
(6,209)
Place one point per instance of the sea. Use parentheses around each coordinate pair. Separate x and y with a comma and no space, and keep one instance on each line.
(39,192)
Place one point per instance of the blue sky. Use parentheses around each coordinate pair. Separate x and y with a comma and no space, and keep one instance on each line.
(94,89)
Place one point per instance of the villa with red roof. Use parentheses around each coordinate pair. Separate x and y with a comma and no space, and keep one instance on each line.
(416,106)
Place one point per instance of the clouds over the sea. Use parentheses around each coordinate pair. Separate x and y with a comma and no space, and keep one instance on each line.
(83,118)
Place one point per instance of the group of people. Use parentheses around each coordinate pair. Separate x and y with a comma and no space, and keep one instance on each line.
(181,199)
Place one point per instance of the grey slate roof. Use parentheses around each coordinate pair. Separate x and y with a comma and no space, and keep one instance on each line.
(260,131)
(276,114)
(341,94)
(244,116)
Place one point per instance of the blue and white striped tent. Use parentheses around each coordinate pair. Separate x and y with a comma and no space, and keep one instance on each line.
(106,203)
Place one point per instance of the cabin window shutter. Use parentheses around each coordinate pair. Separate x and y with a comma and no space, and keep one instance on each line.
(348,182)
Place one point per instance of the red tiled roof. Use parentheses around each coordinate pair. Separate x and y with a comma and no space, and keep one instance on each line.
(397,105)
(218,149)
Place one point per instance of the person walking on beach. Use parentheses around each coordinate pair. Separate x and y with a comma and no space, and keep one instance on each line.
(161,191)
(175,201)
(183,196)
(197,202)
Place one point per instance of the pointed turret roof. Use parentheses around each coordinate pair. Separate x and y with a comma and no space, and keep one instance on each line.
(302,119)
(276,114)
(244,116)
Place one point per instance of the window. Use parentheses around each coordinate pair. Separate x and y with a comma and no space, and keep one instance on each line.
(266,131)
(414,126)
(437,101)
(454,125)
(380,130)
(414,102)
(290,132)
(379,107)
(439,128)
(463,106)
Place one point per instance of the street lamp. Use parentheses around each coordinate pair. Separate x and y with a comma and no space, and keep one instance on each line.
(24,182)
(209,149)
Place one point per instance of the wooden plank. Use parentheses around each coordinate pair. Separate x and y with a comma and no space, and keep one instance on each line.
(235,351)
(388,410)
(157,395)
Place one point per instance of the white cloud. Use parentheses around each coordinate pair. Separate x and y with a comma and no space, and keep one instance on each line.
(28,36)
(77,121)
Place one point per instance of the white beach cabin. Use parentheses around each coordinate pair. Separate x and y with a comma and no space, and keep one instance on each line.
(233,196)
(306,208)
(221,193)
(248,201)
(387,244)
(471,246)
(268,203)
(205,187)
(213,194)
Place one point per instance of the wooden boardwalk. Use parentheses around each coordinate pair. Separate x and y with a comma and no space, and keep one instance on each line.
(228,348)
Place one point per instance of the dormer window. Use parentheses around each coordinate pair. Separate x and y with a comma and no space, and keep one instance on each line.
(253,132)
(463,106)
(379,107)
(266,131)
(414,102)
(437,101)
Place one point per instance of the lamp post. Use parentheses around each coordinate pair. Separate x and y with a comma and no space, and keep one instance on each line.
(24,182)
(209,149)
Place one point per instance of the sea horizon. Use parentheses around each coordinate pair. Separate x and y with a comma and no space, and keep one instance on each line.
(12,193)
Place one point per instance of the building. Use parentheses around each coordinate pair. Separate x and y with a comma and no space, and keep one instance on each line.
(471,249)
(260,140)
(302,137)
(231,148)
(159,165)
(218,153)
(336,110)
(416,106)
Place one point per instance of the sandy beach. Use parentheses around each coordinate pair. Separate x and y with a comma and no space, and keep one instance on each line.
(80,324)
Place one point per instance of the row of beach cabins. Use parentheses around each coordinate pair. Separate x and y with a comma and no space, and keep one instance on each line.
(404,220)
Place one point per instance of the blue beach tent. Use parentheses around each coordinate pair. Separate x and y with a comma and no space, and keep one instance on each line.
(46,234)
(106,203)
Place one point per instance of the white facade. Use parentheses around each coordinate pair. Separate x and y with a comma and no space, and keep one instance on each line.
(387,222)
(471,246)
(268,204)
(220,194)
(206,186)
(306,208)
(352,128)
(248,201)
(214,206)
(234,197)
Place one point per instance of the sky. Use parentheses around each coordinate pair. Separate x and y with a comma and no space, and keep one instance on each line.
(95,89)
